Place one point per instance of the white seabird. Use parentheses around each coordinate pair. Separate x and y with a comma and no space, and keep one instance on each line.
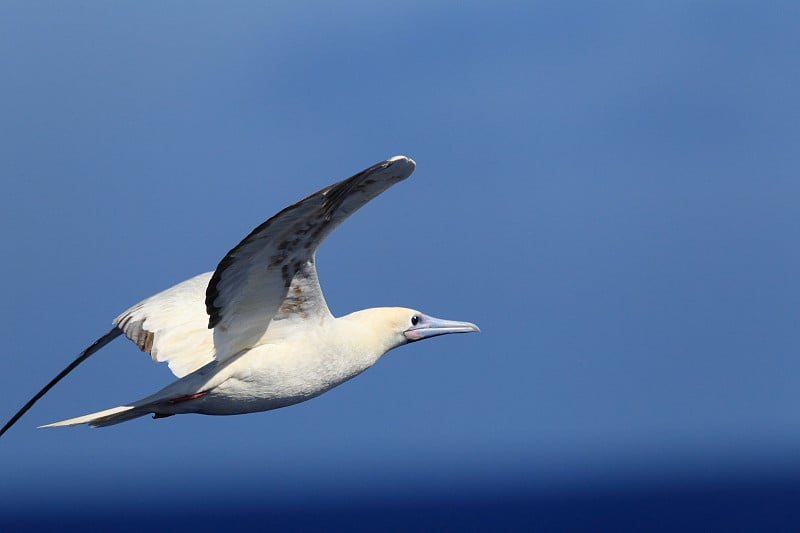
(256,334)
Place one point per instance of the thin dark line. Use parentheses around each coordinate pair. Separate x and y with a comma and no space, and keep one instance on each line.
(96,345)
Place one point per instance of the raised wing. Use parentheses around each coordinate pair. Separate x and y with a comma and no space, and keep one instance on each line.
(172,326)
(270,275)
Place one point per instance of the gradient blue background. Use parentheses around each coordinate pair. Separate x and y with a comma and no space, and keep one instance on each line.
(610,190)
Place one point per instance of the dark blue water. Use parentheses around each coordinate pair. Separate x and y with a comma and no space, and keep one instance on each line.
(744,504)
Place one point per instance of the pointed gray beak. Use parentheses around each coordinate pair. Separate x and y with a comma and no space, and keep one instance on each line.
(429,326)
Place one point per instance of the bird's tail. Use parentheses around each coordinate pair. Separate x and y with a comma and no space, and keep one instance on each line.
(162,404)
(177,397)
(109,417)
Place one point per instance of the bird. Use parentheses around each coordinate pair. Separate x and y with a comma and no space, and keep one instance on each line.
(256,333)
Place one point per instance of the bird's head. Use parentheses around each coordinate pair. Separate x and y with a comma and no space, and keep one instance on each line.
(417,326)
(395,326)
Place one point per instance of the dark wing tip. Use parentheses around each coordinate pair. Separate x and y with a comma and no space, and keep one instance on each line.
(402,163)
(96,345)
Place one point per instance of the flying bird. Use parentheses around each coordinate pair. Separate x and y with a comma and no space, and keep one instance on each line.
(256,334)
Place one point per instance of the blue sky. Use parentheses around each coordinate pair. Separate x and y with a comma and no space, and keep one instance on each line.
(608,190)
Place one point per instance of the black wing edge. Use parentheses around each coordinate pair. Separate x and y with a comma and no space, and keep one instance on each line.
(96,345)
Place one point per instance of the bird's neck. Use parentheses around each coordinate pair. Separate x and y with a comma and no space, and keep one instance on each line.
(362,335)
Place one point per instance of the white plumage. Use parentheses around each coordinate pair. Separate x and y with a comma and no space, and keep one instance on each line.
(256,334)
(172,326)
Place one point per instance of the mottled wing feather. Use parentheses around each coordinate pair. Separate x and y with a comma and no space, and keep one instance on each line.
(172,326)
(271,273)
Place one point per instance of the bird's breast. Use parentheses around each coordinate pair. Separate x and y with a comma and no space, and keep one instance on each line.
(272,376)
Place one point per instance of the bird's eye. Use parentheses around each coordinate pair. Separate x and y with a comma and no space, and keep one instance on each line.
(415,320)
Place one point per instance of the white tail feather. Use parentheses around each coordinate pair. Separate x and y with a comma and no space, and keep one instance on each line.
(108,417)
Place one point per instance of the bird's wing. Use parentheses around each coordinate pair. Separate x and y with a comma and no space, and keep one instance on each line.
(270,276)
(172,326)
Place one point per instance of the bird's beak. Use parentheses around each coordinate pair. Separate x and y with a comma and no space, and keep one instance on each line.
(429,326)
